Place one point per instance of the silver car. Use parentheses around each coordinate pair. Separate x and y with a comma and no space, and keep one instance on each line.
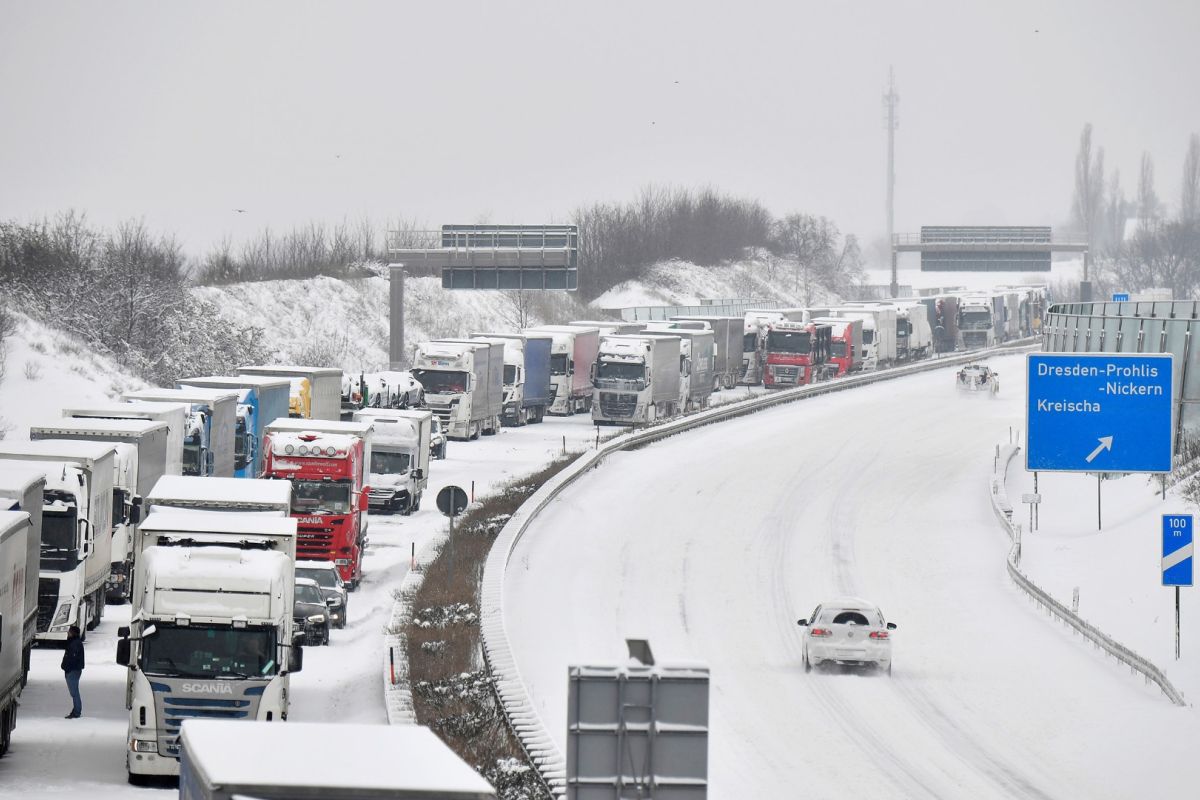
(849,631)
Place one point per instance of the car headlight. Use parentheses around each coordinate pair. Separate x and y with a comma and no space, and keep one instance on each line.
(317,618)
(64,614)
(335,601)
(145,746)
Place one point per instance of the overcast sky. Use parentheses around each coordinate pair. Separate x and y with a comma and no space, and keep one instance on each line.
(179,113)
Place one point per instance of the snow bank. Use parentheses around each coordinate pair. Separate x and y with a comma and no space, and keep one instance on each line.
(48,370)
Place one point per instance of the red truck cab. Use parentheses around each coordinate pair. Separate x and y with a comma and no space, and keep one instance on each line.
(329,493)
(797,353)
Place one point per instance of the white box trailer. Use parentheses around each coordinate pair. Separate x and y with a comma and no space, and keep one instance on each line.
(399,468)
(227,760)
(76,542)
(21,489)
(695,362)
(173,414)
(321,398)
(459,388)
(141,457)
(208,440)
(238,495)
(16,531)
(728,340)
(636,379)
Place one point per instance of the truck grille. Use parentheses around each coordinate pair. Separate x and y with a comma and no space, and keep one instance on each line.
(47,602)
(974,338)
(318,542)
(613,404)
(173,710)
(442,414)
(786,374)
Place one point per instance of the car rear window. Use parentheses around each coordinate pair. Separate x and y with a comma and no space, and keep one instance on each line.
(843,617)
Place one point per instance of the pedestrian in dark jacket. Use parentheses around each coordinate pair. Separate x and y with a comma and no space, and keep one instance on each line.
(72,665)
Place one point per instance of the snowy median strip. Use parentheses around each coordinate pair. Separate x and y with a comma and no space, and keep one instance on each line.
(1003,510)
(524,719)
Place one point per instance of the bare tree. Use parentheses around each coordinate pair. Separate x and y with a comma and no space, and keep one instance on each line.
(1089,187)
(1148,205)
(1189,208)
(518,308)
(1116,212)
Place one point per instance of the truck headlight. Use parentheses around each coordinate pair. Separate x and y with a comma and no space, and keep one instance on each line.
(64,614)
(145,746)
(317,618)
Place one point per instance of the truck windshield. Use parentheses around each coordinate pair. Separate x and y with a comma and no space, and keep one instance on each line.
(749,342)
(209,652)
(558,364)
(60,540)
(241,442)
(620,371)
(868,335)
(976,320)
(789,342)
(389,463)
(191,456)
(441,382)
(320,497)
(510,374)
(837,349)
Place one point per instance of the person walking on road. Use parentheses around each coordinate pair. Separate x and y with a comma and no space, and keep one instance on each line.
(72,665)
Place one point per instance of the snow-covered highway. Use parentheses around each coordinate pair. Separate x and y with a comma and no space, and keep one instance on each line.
(712,544)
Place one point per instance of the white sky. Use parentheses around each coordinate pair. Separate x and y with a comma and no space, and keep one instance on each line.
(181,112)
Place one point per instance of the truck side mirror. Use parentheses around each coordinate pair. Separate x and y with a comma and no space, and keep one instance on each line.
(296,653)
(135,511)
(123,651)
(592,372)
(418,474)
(364,499)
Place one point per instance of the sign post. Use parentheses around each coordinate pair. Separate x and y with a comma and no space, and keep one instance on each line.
(452,501)
(1099,412)
(1178,546)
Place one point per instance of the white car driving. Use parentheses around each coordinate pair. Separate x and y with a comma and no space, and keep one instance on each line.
(850,631)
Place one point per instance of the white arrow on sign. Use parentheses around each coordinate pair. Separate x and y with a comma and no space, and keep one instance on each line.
(1105,444)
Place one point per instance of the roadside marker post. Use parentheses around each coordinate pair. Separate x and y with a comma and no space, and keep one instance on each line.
(1178,548)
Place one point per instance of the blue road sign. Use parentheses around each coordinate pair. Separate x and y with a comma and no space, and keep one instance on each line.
(1120,297)
(1177,550)
(1098,412)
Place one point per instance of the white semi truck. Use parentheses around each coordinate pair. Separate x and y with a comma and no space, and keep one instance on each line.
(727,347)
(173,414)
(695,362)
(16,530)
(977,321)
(399,469)
(141,447)
(21,488)
(461,388)
(237,495)
(77,519)
(209,427)
(212,630)
(573,351)
(636,379)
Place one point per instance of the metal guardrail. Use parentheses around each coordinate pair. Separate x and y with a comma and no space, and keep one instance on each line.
(538,745)
(1003,511)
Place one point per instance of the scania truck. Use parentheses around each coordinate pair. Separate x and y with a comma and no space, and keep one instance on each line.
(21,488)
(212,630)
(461,389)
(140,447)
(399,468)
(327,464)
(210,422)
(636,379)
(77,520)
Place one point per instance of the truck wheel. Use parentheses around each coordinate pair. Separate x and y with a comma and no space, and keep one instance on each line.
(5,728)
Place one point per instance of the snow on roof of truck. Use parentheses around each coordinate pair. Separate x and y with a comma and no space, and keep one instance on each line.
(390,414)
(174,489)
(236,381)
(18,476)
(193,395)
(129,410)
(289,370)
(241,755)
(561,329)
(198,566)
(99,425)
(12,521)
(233,522)
(290,425)
(58,449)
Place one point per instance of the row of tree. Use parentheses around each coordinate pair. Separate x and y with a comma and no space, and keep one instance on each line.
(125,293)
(1141,242)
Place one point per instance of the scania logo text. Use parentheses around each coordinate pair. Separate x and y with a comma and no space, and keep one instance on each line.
(214,687)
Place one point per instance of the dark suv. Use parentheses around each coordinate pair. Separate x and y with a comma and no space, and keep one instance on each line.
(310,613)
(325,573)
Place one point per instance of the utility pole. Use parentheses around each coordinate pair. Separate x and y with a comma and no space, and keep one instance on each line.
(397,358)
(890,101)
